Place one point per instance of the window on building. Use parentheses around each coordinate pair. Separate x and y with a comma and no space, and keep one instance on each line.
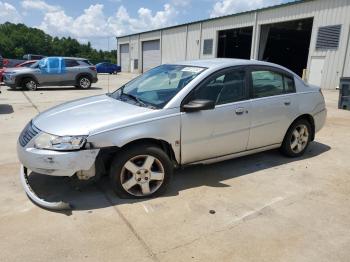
(208,47)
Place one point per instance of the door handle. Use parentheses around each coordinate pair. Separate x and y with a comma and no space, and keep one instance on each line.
(239,111)
(287,102)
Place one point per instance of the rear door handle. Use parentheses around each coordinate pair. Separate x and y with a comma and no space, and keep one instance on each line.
(287,102)
(240,111)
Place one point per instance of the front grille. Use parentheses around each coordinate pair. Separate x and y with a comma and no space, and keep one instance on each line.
(27,134)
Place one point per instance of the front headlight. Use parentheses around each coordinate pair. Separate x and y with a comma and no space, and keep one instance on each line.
(60,143)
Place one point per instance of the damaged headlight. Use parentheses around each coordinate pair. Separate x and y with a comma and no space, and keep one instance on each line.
(60,143)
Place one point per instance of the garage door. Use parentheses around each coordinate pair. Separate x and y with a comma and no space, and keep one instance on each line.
(124,57)
(150,54)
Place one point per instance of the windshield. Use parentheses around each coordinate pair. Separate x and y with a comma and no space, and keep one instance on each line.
(35,65)
(157,86)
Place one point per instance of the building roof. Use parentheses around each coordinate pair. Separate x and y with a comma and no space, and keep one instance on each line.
(292,2)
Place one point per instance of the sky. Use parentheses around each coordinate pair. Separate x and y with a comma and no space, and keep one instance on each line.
(101,21)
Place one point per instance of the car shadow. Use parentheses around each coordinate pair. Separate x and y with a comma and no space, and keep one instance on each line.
(55,89)
(100,194)
(6,109)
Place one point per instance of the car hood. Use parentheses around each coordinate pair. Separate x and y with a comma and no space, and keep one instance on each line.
(89,115)
(19,69)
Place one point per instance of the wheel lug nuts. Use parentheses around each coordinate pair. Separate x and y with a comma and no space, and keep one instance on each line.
(146,178)
(139,179)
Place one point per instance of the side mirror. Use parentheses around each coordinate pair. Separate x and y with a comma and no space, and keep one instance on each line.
(198,105)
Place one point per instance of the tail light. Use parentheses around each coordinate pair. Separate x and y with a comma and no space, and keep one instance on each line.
(93,68)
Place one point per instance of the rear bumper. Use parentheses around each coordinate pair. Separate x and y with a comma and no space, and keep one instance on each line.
(320,119)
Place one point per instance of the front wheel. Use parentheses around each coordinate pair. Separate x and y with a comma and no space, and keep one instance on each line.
(30,84)
(297,139)
(141,171)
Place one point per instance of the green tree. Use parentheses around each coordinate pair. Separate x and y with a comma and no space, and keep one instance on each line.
(18,39)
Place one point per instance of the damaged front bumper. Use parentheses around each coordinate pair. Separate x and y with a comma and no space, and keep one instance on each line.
(35,198)
(53,163)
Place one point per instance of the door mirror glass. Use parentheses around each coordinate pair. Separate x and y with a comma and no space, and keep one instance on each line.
(198,105)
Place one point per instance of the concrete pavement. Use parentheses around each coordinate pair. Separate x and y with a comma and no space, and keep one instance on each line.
(267,207)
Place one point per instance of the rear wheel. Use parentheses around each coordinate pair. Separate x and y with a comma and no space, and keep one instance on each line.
(297,139)
(29,84)
(141,171)
(84,82)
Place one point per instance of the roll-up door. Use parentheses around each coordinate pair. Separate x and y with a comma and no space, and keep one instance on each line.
(150,54)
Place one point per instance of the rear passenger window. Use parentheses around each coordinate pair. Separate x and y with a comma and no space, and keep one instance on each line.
(267,83)
(224,88)
(71,63)
(289,86)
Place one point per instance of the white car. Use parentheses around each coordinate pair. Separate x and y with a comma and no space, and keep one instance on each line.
(174,115)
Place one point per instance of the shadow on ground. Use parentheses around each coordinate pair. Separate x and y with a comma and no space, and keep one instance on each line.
(6,109)
(100,195)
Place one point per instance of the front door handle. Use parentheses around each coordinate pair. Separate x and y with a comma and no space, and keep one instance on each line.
(239,111)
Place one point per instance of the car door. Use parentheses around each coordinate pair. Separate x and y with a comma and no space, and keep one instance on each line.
(50,71)
(72,69)
(223,130)
(273,105)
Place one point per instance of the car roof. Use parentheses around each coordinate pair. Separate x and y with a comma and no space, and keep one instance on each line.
(217,63)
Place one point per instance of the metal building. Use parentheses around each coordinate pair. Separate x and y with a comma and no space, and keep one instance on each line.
(310,37)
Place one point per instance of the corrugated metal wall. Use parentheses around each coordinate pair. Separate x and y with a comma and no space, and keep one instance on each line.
(186,42)
(174,44)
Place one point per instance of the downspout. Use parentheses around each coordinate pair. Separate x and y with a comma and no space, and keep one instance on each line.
(346,53)
(200,41)
(186,42)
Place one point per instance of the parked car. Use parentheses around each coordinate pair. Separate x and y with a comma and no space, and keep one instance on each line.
(2,70)
(27,63)
(107,68)
(33,57)
(53,71)
(173,115)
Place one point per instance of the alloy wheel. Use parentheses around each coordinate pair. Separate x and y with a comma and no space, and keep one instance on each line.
(84,82)
(31,85)
(299,139)
(142,175)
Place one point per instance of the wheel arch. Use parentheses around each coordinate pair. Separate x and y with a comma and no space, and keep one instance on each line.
(83,74)
(164,145)
(105,155)
(20,79)
(310,119)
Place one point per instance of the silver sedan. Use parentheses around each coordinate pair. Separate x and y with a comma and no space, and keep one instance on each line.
(174,115)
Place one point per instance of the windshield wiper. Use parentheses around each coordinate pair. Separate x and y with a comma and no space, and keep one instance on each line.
(135,98)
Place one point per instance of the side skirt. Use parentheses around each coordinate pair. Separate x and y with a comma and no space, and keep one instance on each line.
(235,155)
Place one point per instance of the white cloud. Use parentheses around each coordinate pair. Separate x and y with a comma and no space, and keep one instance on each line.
(225,7)
(39,5)
(8,13)
(93,24)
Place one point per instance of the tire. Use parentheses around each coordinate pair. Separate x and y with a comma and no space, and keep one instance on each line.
(297,139)
(29,84)
(84,82)
(135,167)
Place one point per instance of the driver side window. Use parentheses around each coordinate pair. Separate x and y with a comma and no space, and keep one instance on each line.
(224,88)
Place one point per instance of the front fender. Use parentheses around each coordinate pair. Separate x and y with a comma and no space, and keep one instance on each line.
(165,128)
